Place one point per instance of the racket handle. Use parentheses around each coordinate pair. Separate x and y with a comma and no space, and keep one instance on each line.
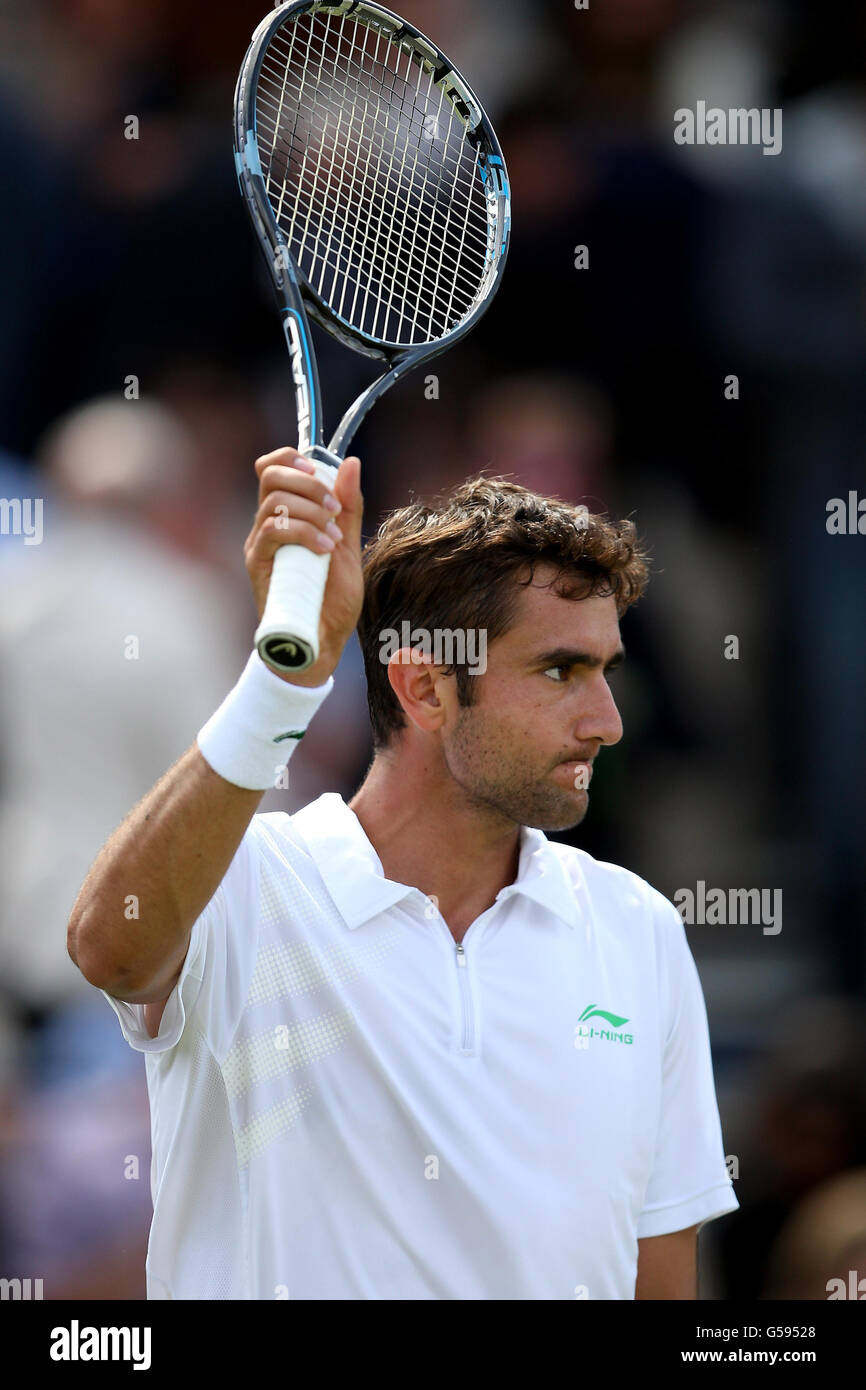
(287,638)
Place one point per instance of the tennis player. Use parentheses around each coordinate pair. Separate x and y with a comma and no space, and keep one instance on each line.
(407,1047)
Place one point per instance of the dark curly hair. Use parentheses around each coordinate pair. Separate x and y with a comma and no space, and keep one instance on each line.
(458,563)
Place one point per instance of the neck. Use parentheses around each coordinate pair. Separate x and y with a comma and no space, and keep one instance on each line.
(429,834)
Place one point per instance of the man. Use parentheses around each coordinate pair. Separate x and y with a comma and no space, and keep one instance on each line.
(409,1048)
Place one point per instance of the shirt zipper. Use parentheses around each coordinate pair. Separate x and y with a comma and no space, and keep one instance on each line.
(467,1040)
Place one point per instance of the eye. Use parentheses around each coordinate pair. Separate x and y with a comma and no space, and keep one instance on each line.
(555,668)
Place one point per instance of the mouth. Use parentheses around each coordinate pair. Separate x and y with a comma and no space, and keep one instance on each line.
(579,772)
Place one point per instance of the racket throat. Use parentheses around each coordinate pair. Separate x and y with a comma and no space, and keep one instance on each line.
(317,453)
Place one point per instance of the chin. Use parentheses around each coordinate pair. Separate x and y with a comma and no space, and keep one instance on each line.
(561,817)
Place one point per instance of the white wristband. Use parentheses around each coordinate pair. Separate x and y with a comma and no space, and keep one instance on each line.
(258,726)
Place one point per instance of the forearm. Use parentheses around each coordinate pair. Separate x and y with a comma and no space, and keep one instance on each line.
(130,926)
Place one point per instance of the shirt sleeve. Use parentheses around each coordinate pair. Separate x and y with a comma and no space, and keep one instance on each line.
(689,1184)
(214,978)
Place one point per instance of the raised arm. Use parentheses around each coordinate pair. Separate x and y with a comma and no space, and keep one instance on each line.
(173,849)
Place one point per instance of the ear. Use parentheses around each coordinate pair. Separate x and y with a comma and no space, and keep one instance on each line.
(420,687)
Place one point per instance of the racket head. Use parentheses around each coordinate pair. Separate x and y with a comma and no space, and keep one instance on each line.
(373,175)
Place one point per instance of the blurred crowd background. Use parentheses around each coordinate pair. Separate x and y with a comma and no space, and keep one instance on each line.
(128,266)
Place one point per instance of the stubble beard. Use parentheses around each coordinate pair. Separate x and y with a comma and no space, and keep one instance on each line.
(498,784)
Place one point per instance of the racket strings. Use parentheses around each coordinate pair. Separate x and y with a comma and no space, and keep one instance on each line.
(446,259)
(374,83)
(341,202)
(311,112)
(424,205)
(385,215)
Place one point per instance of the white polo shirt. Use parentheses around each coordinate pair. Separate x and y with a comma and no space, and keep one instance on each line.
(347,1105)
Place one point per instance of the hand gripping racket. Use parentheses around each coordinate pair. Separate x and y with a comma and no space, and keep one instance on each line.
(379,194)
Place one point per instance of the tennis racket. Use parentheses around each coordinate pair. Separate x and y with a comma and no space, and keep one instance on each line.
(380,197)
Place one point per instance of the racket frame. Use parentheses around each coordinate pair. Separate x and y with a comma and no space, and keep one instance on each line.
(299,301)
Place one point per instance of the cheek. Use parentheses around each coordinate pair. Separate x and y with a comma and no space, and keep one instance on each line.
(524,721)
(496,733)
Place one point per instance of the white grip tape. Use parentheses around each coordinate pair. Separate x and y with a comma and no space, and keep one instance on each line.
(297,587)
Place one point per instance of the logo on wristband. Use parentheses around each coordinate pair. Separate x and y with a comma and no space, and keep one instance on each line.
(294,733)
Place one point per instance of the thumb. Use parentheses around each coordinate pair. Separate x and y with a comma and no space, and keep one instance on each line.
(347,490)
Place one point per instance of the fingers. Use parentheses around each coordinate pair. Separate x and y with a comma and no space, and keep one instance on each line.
(286,455)
(264,543)
(287,470)
(296,508)
(280,509)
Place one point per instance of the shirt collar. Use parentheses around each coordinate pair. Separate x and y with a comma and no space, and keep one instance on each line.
(353,875)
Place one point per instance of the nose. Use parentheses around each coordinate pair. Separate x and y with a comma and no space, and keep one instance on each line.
(599,717)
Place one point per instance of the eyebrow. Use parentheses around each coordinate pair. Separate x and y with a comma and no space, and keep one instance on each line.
(570,656)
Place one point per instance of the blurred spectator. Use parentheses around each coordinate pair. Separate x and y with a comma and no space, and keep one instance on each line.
(800,1122)
(114,648)
(75,1192)
(821,1250)
(550,432)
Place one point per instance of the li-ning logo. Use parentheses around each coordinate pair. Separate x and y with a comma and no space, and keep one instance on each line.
(293,733)
(583,1032)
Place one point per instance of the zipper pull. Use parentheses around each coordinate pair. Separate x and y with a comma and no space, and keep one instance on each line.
(461,955)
